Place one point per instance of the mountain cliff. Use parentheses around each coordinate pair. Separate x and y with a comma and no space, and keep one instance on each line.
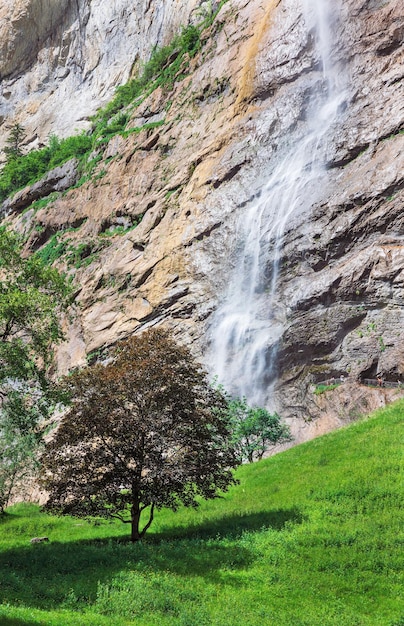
(154,233)
(61,59)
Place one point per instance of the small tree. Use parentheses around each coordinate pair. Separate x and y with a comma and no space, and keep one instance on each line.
(31,296)
(254,429)
(20,439)
(144,431)
(16,137)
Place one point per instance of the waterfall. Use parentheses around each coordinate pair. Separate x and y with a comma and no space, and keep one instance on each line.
(249,323)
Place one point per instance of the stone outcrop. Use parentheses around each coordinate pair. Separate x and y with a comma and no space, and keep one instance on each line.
(56,180)
(159,218)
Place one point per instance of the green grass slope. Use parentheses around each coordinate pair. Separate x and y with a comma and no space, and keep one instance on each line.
(311,537)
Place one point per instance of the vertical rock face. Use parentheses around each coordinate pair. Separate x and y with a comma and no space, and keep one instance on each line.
(61,59)
(162,217)
(342,278)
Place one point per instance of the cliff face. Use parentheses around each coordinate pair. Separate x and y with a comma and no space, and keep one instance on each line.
(61,59)
(189,182)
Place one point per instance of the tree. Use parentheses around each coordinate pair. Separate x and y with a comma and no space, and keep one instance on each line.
(16,137)
(254,429)
(144,431)
(20,439)
(31,297)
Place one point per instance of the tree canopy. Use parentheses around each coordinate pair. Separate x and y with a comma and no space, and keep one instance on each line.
(31,297)
(144,431)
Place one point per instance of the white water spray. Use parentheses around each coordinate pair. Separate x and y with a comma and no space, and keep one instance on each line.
(248,325)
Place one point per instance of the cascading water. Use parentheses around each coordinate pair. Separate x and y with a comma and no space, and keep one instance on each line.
(248,325)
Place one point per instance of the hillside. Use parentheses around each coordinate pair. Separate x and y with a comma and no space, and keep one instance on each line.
(311,537)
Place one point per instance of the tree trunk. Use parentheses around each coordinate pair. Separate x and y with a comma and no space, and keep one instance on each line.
(135,516)
(137,534)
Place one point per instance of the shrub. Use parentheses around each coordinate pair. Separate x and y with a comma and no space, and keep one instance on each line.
(323,388)
(254,429)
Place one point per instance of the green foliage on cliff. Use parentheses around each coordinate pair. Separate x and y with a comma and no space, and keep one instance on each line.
(166,65)
(310,537)
(160,70)
(25,169)
(76,253)
(53,250)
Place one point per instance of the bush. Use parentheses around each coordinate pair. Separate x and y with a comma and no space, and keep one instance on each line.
(76,146)
(323,388)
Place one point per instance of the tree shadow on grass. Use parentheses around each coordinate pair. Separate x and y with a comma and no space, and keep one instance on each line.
(49,575)
(57,575)
(232,526)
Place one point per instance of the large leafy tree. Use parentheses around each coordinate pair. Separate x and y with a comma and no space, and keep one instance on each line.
(144,431)
(31,297)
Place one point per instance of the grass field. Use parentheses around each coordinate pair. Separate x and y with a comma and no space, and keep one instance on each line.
(310,537)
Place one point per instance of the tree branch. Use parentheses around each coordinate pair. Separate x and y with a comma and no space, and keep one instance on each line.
(112,451)
(7,331)
(149,522)
(117,516)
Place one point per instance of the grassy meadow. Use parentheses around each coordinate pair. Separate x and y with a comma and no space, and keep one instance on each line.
(310,537)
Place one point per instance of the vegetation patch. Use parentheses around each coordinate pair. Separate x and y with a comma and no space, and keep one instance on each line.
(25,169)
(323,388)
(166,65)
(43,202)
(120,224)
(53,249)
(161,70)
(76,254)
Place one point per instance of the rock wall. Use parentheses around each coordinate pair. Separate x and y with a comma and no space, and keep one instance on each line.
(61,59)
(188,181)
